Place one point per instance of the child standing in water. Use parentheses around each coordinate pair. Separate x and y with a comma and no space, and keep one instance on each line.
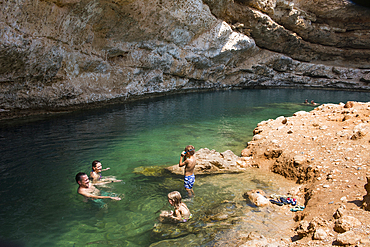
(188,160)
(181,213)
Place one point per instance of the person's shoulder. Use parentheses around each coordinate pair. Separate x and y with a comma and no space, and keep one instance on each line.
(79,190)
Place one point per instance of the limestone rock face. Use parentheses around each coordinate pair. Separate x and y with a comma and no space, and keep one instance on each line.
(56,53)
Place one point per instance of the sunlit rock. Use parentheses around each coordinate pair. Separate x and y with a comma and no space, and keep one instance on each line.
(212,162)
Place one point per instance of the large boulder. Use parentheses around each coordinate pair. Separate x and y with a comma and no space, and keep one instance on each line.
(212,162)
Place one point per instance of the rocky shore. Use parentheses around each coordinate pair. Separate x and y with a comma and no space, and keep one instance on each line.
(325,151)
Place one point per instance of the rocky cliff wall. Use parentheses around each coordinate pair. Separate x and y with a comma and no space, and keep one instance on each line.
(56,53)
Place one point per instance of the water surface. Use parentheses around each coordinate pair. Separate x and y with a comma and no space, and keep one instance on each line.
(39,205)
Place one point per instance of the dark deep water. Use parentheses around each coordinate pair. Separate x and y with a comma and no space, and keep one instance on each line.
(39,205)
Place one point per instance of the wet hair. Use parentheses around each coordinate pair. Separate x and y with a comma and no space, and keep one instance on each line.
(175,196)
(94,163)
(79,175)
(190,149)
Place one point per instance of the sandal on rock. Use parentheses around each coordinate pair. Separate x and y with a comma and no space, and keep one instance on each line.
(297,208)
(292,201)
(276,202)
(284,200)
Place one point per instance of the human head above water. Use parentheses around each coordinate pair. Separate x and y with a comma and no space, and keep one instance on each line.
(94,163)
(190,149)
(79,175)
(175,197)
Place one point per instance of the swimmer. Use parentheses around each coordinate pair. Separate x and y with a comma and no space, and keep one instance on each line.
(181,213)
(188,160)
(95,174)
(88,190)
(313,103)
(306,101)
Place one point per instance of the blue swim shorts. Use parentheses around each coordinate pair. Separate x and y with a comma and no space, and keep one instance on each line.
(189,181)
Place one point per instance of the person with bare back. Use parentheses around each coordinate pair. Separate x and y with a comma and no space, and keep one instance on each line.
(181,213)
(188,160)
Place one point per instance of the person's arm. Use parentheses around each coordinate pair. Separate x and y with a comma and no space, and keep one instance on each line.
(117,180)
(86,194)
(106,169)
(176,215)
(105,182)
(181,162)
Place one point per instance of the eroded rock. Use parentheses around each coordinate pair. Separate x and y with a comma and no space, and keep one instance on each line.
(340,212)
(346,223)
(366,198)
(213,162)
(320,234)
(348,238)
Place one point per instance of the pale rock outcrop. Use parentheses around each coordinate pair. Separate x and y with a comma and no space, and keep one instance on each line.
(346,223)
(340,212)
(348,238)
(360,130)
(320,234)
(212,162)
(257,197)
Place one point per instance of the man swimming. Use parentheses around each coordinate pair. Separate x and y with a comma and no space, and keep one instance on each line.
(88,190)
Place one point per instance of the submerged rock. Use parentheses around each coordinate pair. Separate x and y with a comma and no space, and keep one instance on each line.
(188,240)
(155,171)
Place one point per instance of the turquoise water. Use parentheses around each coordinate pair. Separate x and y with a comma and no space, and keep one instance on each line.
(39,205)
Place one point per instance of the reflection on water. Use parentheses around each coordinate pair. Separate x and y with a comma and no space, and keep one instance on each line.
(39,205)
